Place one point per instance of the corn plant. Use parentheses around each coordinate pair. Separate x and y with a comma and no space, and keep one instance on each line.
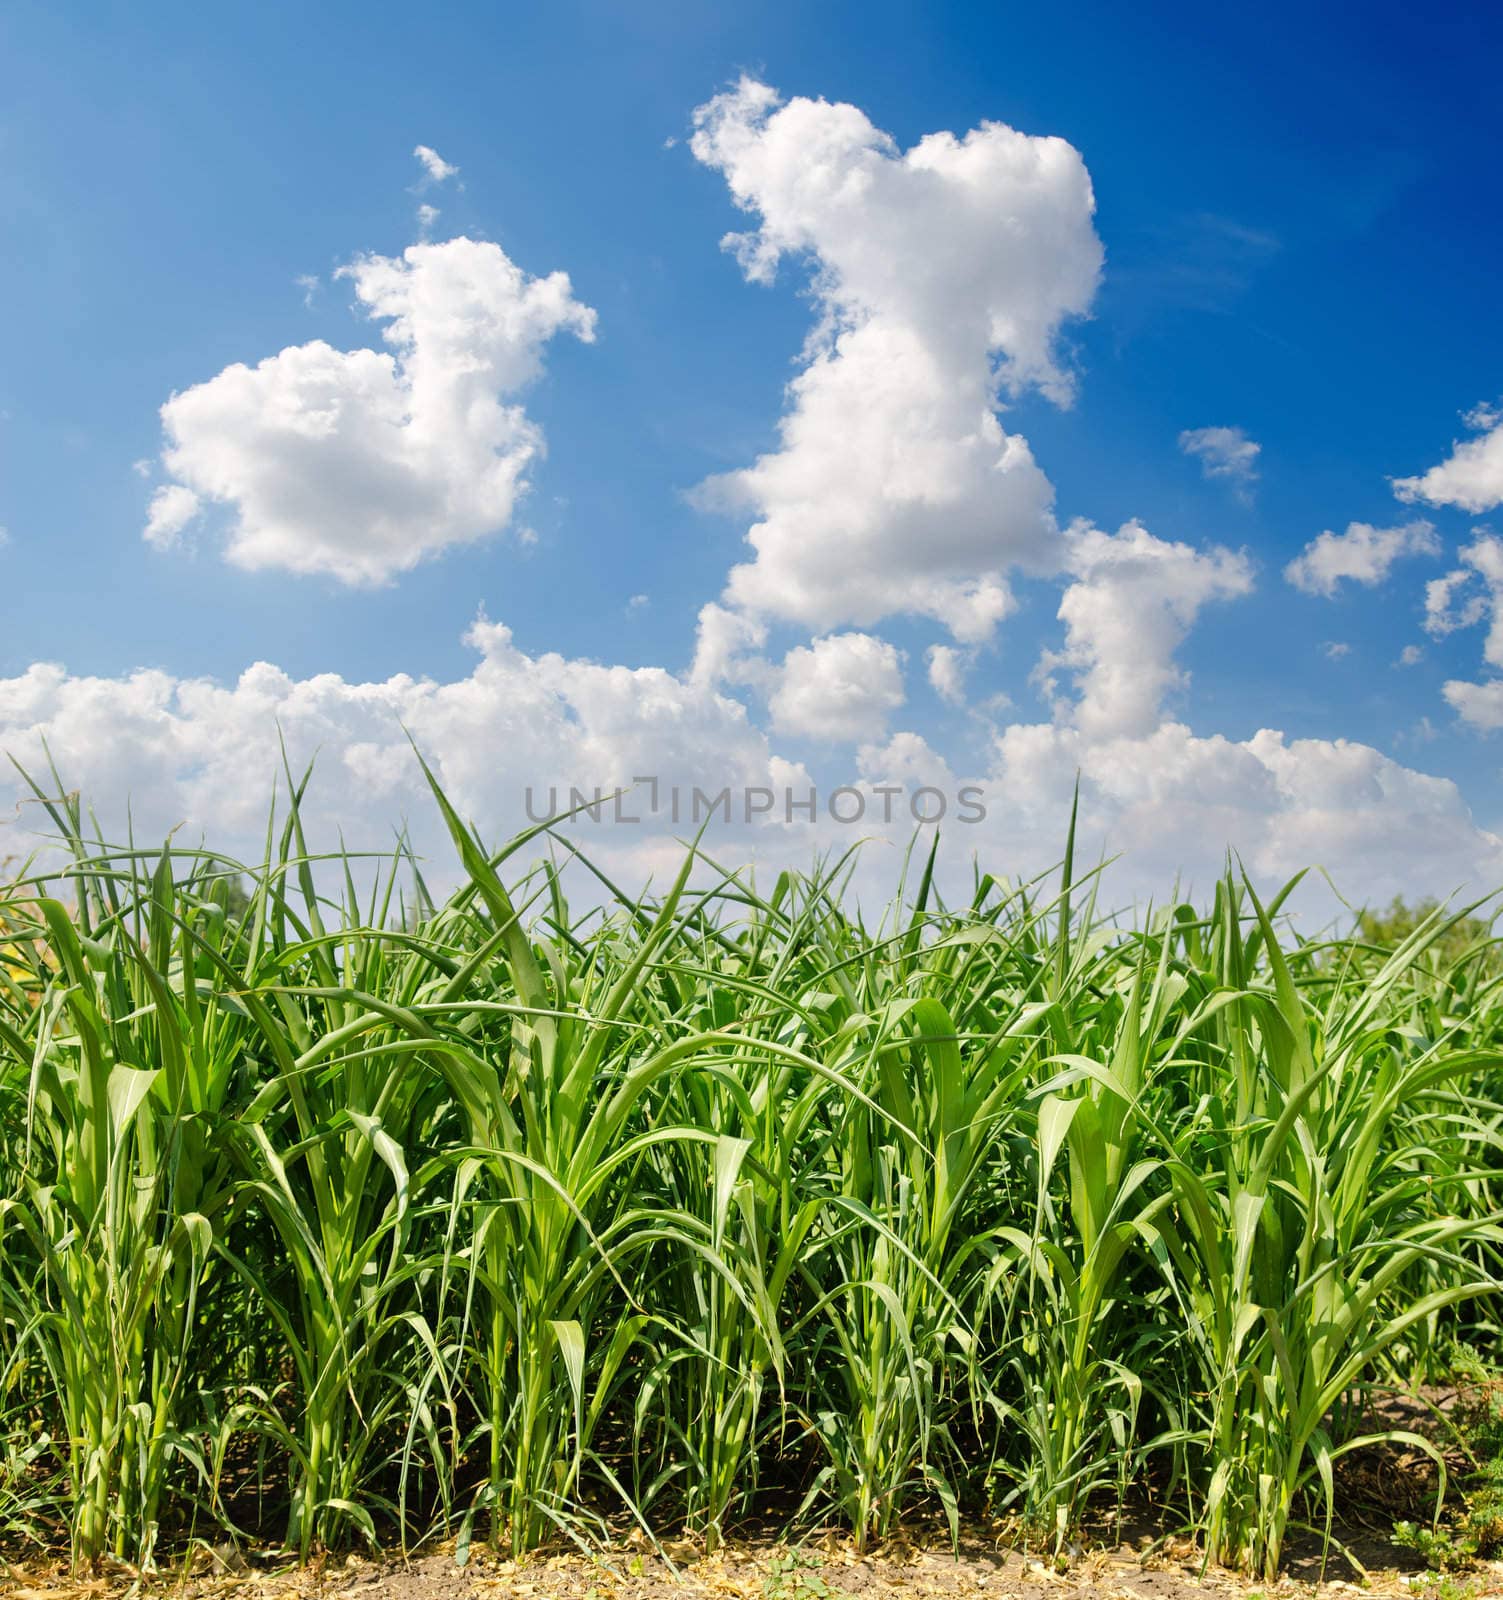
(335,1210)
(108,1231)
(1305,1196)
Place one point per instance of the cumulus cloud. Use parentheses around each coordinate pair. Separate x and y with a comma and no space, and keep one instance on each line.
(1363,554)
(1335,649)
(182,750)
(1471,477)
(173,507)
(1461,599)
(435,168)
(1410,656)
(725,647)
(1175,801)
(1171,801)
(1464,597)
(1480,705)
(198,752)
(839,689)
(1444,612)
(1224,453)
(941,274)
(362,463)
(947,671)
(1132,600)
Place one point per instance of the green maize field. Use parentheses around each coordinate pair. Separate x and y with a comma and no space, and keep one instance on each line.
(366,1217)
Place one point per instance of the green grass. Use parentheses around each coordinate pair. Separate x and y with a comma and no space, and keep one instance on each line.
(331,1213)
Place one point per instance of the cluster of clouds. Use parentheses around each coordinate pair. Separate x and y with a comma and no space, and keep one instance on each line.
(435,171)
(518,727)
(182,748)
(943,279)
(1470,478)
(1463,597)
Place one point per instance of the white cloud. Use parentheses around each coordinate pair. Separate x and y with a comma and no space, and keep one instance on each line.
(1445,612)
(1133,599)
(1335,649)
(363,463)
(1479,704)
(1423,732)
(426,216)
(723,646)
(905,758)
(173,507)
(947,669)
(1411,656)
(1363,554)
(942,276)
(1170,803)
(840,689)
(435,168)
(1471,477)
(939,273)
(191,750)
(1174,802)
(1224,453)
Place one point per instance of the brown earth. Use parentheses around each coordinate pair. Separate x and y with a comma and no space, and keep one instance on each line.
(821,1569)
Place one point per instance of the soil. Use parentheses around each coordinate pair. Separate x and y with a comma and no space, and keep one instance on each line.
(827,1569)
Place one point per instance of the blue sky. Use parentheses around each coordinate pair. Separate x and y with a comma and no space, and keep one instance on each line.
(1300,231)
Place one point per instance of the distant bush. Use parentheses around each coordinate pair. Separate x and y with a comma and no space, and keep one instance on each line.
(1469,935)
